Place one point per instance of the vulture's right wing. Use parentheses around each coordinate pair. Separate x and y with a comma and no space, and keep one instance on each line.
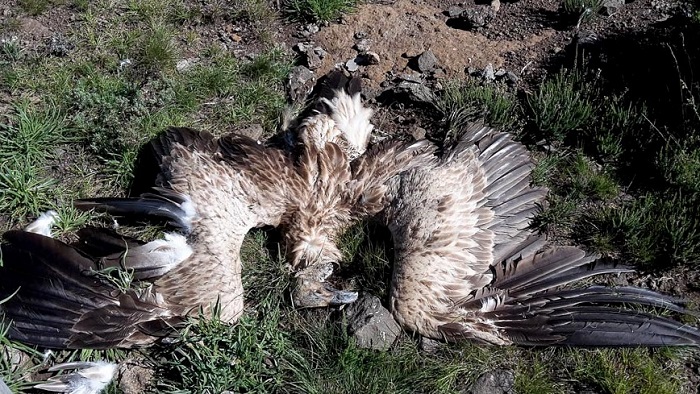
(213,189)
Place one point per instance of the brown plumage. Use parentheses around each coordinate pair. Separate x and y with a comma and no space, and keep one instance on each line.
(466,265)
(346,184)
(214,189)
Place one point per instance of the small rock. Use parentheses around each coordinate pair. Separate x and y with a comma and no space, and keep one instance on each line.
(500,73)
(59,46)
(313,61)
(511,77)
(410,77)
(488,73)
(185,64)
(372,325)
(360,35)
(427,61)
(351,65)
(610,7)
(454,11)
(254,131)
(410,54)
(439,74)
(320,52)
(363,45)
(300,83)
(312,28)
(479,16)
(367,59)
(427,345)
(416,92)
(308,30)
(134,377)
(499,381)
(310,55)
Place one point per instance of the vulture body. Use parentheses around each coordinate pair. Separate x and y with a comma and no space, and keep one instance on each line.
(466,265)
(213,190)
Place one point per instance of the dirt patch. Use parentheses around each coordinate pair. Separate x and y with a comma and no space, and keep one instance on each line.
(525,37)
(400,32)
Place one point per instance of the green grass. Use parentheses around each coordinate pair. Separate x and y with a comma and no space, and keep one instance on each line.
(213,356)
(24,190)
(562,106)
(318,10)
(464,102)
(31,134)
(16,361)
(35,7)
(157,51)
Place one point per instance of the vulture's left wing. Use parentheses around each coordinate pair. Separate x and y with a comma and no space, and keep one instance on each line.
(467,266)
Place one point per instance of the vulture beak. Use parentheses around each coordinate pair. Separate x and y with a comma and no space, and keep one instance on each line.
(312,291)
(308,294)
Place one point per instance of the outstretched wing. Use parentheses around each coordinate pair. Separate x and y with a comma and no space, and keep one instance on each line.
(57,299)
(452,220)
(467,266)
(529,304)
(214,189)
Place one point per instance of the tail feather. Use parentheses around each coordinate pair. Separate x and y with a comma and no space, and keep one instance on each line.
(529,303)
(174,207)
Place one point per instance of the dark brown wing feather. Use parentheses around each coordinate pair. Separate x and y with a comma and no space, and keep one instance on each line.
(214,189)
(58,301)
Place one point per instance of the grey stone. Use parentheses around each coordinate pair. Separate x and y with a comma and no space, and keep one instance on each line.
(134,376)
(372,325)
(59,46)
(488,74)
(610,7)
(479,16)
(416,92)
(312,28)
(313,61)
(427,345)
(360,35)
(320,52)
(427,61)
(311,55)
(439,73)
(351,65)
(301,81)
(410,77)
(454,11)
(185,64)
(363,45)
(499,381)
(511,77)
